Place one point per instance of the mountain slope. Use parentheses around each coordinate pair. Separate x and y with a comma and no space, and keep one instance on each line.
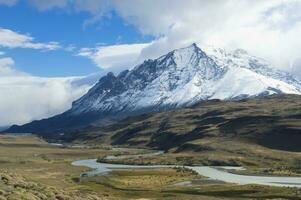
(262,131)
(180,78)
(273,121)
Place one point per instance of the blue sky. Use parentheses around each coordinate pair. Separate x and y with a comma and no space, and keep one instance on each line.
(68,29)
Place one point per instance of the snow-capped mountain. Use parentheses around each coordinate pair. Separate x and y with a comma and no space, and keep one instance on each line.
(180,78)
(183,77)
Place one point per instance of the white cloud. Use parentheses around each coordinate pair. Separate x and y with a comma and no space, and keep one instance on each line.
(11,39)
(8,2)
(6,67)
(24,98)
(114,57)
(269,29)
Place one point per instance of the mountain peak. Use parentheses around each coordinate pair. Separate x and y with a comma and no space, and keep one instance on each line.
(195,47)
(110,74)
(191,48)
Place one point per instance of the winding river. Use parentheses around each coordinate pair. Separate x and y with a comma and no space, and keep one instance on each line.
(213,173)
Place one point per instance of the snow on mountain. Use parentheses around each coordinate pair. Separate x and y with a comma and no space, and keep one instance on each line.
(240,58)
(180,78)
(183,77)
(169,81)
(250,76)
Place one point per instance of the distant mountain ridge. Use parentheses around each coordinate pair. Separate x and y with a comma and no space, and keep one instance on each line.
(180,78)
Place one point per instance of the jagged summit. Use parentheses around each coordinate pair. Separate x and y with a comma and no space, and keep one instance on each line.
(160,82)
(180,78)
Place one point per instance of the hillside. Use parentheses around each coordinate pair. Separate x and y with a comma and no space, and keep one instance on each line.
(262,128)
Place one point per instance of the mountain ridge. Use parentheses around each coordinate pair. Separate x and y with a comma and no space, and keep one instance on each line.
(180,78)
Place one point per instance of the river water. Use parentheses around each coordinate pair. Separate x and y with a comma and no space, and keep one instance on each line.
(213,173)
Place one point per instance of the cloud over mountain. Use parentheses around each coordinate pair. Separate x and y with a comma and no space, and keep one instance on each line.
(24,97)
(114,57)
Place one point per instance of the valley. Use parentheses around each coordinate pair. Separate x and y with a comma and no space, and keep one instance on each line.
(31,166)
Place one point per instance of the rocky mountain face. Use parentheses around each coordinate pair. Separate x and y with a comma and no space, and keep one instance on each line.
(180,78)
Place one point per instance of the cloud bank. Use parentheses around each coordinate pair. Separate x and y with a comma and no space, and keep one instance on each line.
(24,98)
